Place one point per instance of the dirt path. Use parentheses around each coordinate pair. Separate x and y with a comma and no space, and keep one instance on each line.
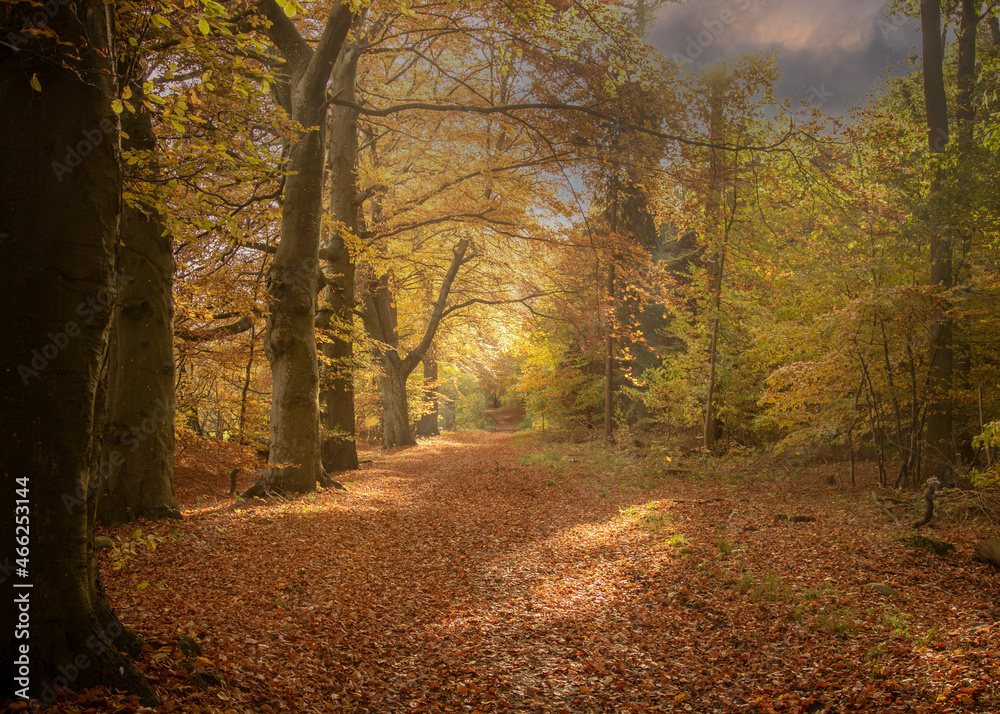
(469,574)
(505,419)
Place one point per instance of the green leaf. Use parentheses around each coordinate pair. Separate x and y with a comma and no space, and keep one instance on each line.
(35,84)
(143,585)
(203,26)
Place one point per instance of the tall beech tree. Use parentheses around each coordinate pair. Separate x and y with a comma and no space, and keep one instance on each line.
(294,277)
(138,454)
(337,316)
(60,230)
(939,411)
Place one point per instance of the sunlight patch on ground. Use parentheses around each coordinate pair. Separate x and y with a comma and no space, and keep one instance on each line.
(580,573)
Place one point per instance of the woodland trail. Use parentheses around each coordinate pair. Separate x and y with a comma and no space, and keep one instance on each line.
(480,572)
(505,419)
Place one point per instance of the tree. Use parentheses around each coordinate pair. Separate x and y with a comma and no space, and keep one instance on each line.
(337,393)
(939,412)
(139,426)
(295,463)
(381,321)
(59,127)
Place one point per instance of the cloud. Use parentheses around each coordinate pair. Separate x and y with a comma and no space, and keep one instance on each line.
(840,46)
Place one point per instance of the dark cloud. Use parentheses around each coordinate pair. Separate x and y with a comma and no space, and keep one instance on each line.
(830,53)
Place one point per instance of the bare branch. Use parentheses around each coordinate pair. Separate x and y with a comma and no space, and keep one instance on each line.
(507,108)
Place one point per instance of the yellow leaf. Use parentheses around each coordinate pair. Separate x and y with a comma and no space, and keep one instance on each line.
(127,92)
(143,585)
(117,107)
(35,84)
(203,26)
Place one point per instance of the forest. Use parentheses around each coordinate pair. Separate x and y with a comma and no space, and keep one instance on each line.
(434,355)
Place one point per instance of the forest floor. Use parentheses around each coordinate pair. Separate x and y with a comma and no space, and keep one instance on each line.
(511,573)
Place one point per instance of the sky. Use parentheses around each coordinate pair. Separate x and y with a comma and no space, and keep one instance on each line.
(831,52)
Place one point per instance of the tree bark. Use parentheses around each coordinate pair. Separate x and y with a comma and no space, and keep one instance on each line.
(139,425)
(939,411)
(721,225)
(609,341)
(60,206)
(427,425)
(965,113)
(713,353)
(609,358)
(294,462)
(395,408)
(339,450)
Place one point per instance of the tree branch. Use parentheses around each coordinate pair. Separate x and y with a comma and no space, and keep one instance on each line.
(457,260)
(286,37)
(214,333)
(506,301)
(338,24)
(507,108)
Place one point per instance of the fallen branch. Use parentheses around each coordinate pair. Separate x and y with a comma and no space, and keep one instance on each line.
(886,511)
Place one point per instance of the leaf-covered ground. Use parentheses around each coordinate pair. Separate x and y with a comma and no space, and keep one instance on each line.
(497,573)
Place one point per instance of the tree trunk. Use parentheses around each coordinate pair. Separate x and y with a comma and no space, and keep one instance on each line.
(290,343)
(245,389)
(137,461)
(965,113)
(713,353)
(427,425)
(609,359)
(939,410)
(721,225)
(396,410)
(609,344)
(339,450)
(294,462)
(58,245)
